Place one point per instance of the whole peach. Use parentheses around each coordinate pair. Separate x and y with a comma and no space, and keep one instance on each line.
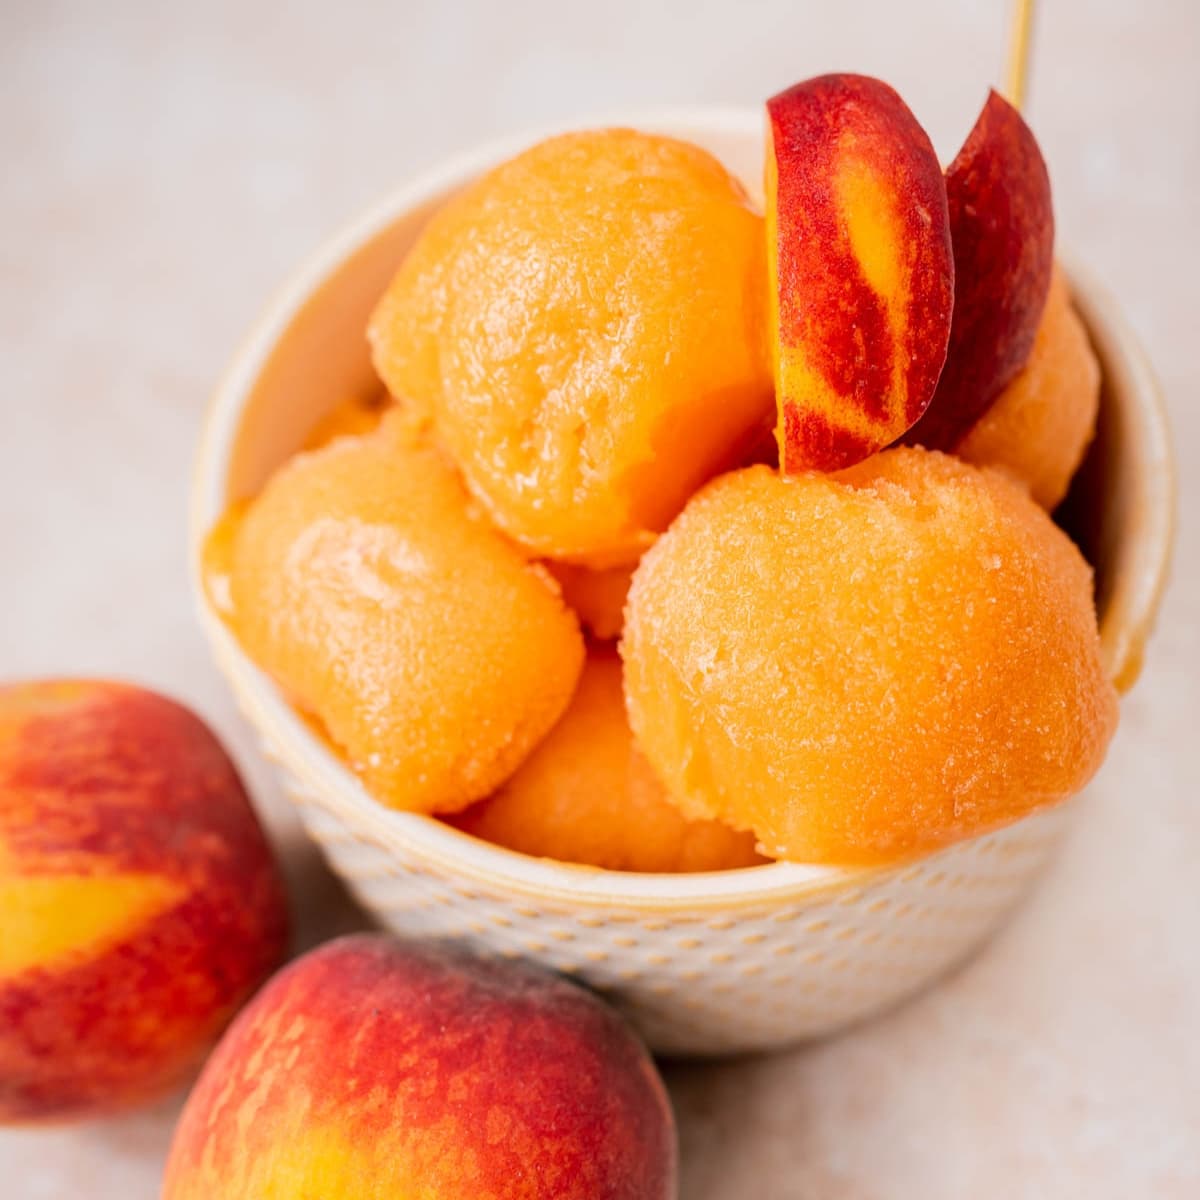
(139,901)
(377,1067)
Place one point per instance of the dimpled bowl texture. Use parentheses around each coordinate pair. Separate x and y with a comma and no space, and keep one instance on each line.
(702,964)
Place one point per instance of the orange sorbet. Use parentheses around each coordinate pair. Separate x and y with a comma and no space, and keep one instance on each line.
(587,795)
(365,581)
(585,326)
(1041,424)
(869,665)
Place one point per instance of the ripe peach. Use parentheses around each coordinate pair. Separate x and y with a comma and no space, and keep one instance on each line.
(1040,425)
(1002,227)
(869,665)
(140,901)
(585,326)
(587,795)
(366,582)
(861,277)
(375,1067)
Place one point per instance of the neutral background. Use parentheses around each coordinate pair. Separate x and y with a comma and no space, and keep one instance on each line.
(166,166)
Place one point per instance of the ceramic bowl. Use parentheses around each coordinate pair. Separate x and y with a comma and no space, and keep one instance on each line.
(702,964)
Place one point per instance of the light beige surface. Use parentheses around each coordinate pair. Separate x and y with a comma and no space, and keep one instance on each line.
(163,172)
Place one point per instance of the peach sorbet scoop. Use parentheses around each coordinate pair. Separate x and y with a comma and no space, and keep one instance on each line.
(585,326)
(869,665)
(367,583)
(1040,425)
(587,795)
(598,597)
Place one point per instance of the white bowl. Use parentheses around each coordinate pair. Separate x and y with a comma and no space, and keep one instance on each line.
(706,963)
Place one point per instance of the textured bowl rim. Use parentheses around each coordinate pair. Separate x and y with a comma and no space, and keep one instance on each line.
(704,895)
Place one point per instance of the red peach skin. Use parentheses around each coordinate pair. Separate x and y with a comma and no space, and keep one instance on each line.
(861,281)
(1002,226)
(379,1068)
(141,903)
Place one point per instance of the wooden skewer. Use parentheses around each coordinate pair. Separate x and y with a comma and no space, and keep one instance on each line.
(1018,51)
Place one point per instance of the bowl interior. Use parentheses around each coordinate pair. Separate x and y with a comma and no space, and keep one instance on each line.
(309,352)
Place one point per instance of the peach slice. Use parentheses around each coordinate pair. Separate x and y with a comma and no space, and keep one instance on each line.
(861,283)
(1002,226)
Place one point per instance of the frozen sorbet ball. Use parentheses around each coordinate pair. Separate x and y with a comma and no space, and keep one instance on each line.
(1041,424)
(350,417)
(869,665)
(585,326)
(366,582)
(587,795)
(597,596)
